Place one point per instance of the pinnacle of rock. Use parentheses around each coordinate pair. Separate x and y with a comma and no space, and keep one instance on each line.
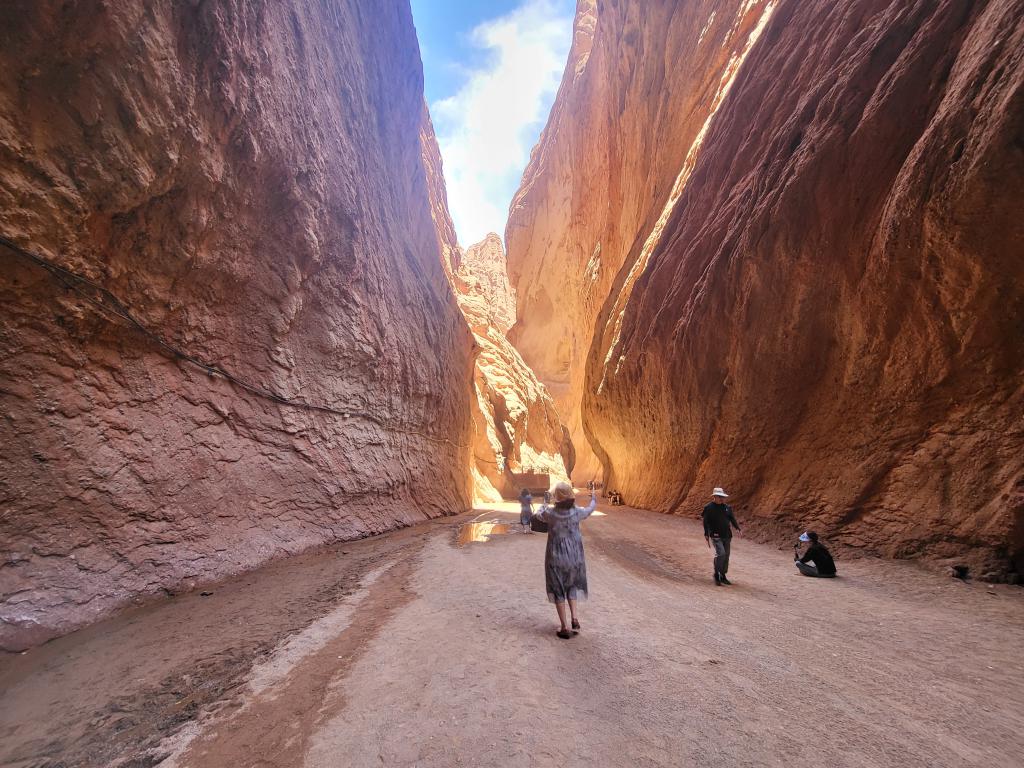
(488,296)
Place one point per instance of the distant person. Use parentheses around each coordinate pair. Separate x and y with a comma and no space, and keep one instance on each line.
(565,567)
(817,553)
(525,507)
(616,499)
(547,497)
(718,524)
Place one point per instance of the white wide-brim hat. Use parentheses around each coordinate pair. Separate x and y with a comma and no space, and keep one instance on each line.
(720,492)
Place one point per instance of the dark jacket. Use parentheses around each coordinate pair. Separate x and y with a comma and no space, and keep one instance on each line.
(821,557)
(717,520)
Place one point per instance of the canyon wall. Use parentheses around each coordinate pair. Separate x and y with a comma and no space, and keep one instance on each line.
(633,101)
(515,425)
(818,301)
(249,180)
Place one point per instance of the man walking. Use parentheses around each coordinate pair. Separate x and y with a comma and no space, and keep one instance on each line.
(718,524)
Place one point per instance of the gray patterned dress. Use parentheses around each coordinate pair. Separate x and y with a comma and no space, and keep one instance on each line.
(565,568)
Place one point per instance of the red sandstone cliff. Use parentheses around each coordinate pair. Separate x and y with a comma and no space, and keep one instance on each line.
(817,296)
(248,178)
(515,424)
(483,269)
(633,100)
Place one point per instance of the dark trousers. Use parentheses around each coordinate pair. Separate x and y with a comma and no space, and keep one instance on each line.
(722,547)
(811,570)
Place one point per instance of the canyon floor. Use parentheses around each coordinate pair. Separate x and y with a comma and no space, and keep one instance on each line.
(423,648)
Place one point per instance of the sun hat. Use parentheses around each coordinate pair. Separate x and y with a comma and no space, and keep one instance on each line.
(720,492)
(563,492)
(808,536)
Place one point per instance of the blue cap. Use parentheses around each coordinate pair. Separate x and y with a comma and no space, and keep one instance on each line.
(804,536)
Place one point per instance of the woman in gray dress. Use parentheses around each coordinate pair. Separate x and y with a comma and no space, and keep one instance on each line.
(565,567)
(525,507)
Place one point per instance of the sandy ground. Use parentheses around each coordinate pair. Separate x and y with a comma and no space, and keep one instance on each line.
(412,649)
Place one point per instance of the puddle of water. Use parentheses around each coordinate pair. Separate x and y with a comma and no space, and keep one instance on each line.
(480,531)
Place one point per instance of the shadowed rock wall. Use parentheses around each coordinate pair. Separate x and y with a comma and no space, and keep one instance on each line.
(248,178)
(824,312)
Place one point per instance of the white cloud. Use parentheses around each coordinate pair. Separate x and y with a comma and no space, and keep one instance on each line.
(487,128)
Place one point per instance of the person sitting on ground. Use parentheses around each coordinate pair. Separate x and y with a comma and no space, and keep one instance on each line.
(718,518)
(616,499)
(817,553)
(565,567)
(525,507)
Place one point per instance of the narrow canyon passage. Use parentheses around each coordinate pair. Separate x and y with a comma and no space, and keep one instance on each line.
(264,402)
(411,649)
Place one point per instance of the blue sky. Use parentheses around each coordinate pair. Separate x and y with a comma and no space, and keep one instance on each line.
(491,70)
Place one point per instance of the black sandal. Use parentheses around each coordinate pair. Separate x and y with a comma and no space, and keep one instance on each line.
(565,634)
(575,627)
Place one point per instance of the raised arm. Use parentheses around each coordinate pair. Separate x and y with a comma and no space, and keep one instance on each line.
(587,510)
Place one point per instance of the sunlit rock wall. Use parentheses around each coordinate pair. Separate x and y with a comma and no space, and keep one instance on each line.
(633,100)
(483,269)
(515,424)
(823,309)
(248,178)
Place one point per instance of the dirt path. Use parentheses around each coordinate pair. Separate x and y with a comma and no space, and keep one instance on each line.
(413,650)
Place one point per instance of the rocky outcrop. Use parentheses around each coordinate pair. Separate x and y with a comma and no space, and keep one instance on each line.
(515,425)
(248,179)
(817,296)
(484,273)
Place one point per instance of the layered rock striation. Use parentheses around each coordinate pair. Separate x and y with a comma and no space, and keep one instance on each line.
(516,427)
(249,180)
(817,296)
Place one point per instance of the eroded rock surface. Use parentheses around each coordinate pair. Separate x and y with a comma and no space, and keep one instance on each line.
(515,424)
(815,286)
(248,178)
(633,100)
(484,272)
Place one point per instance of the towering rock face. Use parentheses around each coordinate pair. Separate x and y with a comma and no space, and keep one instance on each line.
(515,424)
(634,100)
(483,270)
(248,180)
(822,303)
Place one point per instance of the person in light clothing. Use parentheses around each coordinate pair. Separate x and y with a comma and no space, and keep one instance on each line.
(525,507)
(565,566)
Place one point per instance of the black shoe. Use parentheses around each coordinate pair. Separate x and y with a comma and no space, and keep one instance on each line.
(723,579)
(718,579)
